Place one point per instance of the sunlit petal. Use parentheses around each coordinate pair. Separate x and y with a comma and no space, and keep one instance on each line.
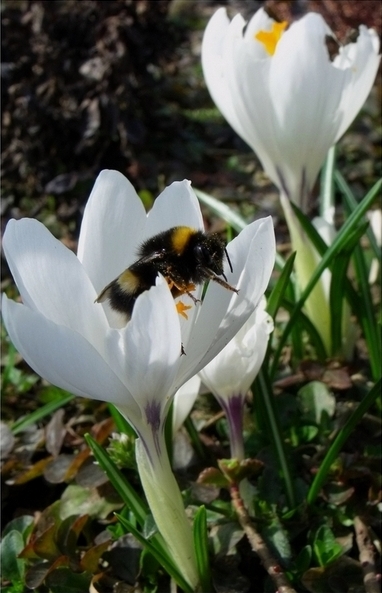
(62,356)
(51,280)
(111,230)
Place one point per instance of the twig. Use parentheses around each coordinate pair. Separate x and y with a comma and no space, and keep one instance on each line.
(366,556)
(271,565)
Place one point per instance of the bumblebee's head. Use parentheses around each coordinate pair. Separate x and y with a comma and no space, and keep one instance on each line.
(209,252)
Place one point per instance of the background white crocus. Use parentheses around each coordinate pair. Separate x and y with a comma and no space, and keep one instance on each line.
(81,346)
(280,91)
(231,373)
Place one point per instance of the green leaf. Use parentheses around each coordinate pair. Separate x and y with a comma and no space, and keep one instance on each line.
(121,423)
(41,413)
(326,548)
(304,323)
(303,559)
(139,508)
(316,402)
(13,568)
(352,204)
(23,525)
(328,254)
(222,210)
(78,500)
(339,441)
(277,295)
(201,549)
(64,580)
(265,401)
(162,558)
(122,486)
(276,535)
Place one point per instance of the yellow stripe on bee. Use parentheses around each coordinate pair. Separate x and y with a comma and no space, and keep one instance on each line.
(128,281)
(180,238)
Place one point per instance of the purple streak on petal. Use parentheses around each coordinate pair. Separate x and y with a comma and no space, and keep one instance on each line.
(153,418)
(233,408)
(304,192)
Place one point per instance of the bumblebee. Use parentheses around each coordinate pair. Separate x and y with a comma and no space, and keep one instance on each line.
(183,255)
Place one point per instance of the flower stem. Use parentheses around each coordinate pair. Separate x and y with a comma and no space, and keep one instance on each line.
(165,502)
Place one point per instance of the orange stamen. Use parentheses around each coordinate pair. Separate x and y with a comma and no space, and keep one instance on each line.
(182,308)
(271,38)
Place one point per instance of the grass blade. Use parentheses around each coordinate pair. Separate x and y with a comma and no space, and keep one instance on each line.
(339,441)
(39,414)
(163,559)
(126,492)
(327,259)
(201,549)
(263,391)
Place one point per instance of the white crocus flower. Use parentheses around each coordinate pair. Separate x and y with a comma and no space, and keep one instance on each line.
(282,94)
(231,373)
(78,344)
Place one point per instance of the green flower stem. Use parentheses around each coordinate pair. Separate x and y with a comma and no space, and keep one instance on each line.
(165,502)
(339,441)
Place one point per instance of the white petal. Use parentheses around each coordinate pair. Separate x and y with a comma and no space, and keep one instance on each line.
(362,59)
(177,205)
(233,370)
(305,91)
(111,230)
(184,400)
(148,351)
(215,55)
(248,83)
(222,314)
(62,356)
(51,280)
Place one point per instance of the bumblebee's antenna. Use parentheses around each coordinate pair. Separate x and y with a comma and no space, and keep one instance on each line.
(229,261)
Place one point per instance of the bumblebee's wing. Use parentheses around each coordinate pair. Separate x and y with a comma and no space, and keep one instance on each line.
(151,258)
(104,294)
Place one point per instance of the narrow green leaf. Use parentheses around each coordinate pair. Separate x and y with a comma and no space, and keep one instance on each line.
(126,492)
(121,423)
(201,549)
(222,210)
(327,185)
(311,330)
(195,439)
(232,218)
(336,300)
(163,559)
(263,391)
(41,413)
(352,204)
(369,325)
(327,258)
(279,289)
(340,440)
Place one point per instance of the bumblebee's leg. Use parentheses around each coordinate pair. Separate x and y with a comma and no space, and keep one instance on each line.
(212,276)
(178,289)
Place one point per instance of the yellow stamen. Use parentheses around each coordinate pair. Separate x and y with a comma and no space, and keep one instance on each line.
(182,308)
(271,38)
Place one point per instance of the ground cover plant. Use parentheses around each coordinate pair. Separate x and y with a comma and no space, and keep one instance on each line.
(249,467)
